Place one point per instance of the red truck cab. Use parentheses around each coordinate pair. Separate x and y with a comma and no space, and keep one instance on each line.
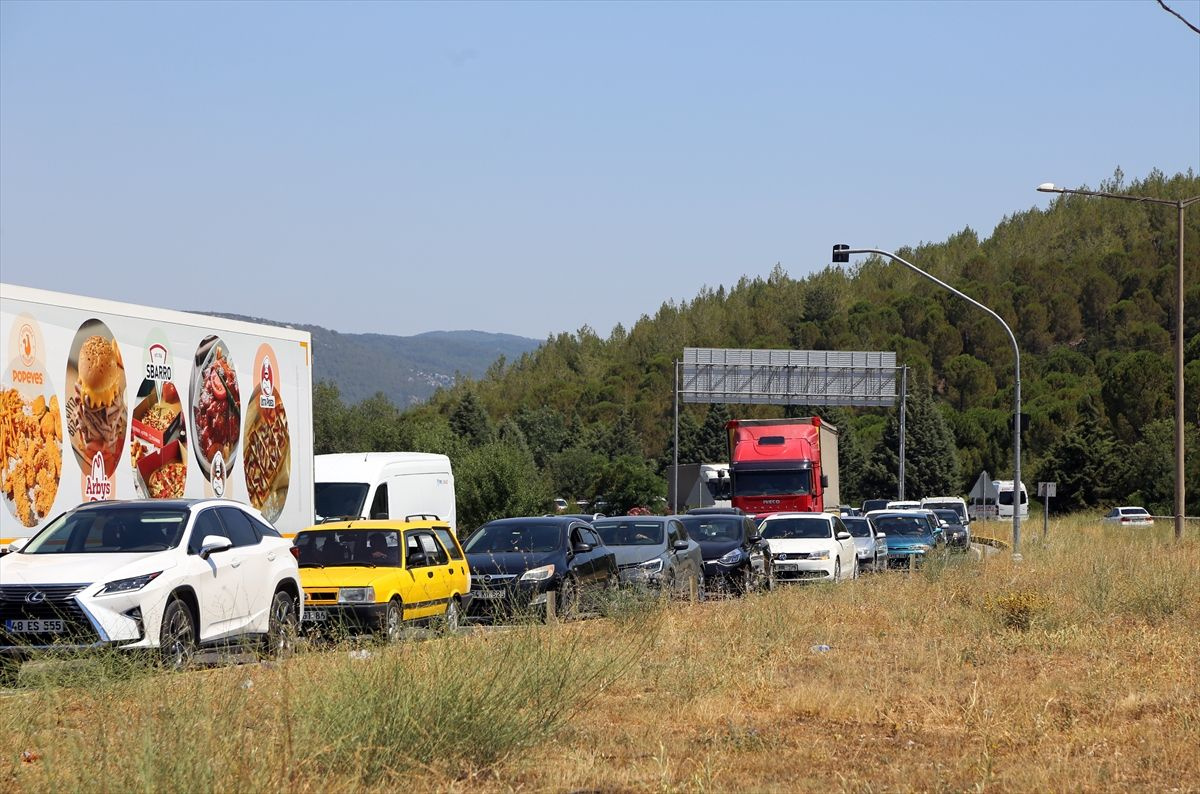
(782,465)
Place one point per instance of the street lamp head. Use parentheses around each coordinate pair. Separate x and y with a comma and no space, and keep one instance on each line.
(1047,187)
(839,253)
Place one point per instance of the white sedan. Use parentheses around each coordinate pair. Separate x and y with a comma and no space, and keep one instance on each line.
(810,546)
(1129,517)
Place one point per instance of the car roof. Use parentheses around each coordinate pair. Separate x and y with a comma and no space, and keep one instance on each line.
(895,512)
(829,516)
(551,520)
(704,511)
(362,525)
(1133,507)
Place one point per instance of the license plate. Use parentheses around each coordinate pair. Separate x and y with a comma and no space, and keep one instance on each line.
(786,566)
(485,595)
(45,626)
(315,615)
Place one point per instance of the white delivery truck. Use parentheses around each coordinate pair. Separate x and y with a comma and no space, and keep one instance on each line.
(393,485)
(106,400)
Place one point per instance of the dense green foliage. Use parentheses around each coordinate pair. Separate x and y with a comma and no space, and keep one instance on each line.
(1087,286)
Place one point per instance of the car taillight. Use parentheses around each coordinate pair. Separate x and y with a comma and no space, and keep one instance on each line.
(295,550)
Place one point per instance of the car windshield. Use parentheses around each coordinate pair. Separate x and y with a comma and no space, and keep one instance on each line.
(359,547)
(336,500)
(710,529)
(949,516)
(630,533)
(500,538)
(110,530)
(902,525)
(858,527)
(958,509)
(758,482)
(796,528)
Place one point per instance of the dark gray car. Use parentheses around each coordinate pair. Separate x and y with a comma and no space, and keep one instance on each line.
(653,551)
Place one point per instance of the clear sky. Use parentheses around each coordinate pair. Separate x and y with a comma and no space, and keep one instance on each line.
(531,168)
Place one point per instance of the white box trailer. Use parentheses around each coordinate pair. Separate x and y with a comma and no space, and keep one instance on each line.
(107,400)
(394,485)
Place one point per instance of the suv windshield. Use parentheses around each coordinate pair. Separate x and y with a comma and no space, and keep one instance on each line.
(630,533)
(714,528)
(339,500)
(757,482)
(500,538)
(949,516)
(329,547)
(902,525)
(796,528)
(110,530)
(857,527)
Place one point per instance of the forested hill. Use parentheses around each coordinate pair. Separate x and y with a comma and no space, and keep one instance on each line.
(408,369)
(1087,286)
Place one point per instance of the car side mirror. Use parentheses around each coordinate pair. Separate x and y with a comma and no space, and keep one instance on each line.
(680,545)
(843,536)
(581,548)
(824,481)
(881,534)
(17,545)
(213,544)
(417,559)
(755,538)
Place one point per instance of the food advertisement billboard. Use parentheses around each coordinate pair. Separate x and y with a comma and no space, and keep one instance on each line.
(104,400)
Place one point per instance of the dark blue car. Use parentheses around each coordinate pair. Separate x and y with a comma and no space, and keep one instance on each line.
(516,562)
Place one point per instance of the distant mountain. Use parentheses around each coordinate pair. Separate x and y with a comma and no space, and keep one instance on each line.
(406,368)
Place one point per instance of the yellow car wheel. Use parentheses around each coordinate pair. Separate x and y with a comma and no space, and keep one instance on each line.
(393,620)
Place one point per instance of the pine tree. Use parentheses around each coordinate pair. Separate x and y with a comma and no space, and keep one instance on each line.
(1083,462)
(470,422)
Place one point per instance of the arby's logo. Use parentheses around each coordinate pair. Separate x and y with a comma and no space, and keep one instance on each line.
(97,487)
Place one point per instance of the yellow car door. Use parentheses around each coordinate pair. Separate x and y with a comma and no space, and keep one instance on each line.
(421,569)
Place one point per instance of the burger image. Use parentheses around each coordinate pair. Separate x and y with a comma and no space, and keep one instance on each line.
(97,414)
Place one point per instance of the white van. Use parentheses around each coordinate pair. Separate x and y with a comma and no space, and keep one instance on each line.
(1004,499)
(947,503)
(391,485)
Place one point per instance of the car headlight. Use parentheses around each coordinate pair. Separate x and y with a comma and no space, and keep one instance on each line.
(922,547)
(731,558)
(538,574)
(651,566)
(819,555)
(356,595)
(128,585)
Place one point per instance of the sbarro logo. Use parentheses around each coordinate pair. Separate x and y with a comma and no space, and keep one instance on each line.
(218,474)
(97,487)
(266,389)
(159,366)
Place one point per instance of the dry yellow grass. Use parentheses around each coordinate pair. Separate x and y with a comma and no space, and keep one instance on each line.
(1076,670)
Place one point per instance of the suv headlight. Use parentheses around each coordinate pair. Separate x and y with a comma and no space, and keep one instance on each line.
(651,566)
(538,574)
(128,585)
(356,595)
(731,558)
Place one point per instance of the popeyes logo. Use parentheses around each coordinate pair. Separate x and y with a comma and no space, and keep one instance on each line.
(266,390)
(28,344)
(96,486)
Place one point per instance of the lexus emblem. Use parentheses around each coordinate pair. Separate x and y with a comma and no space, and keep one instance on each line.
(35,597)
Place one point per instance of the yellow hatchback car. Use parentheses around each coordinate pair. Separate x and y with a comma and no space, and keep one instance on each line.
(376,575)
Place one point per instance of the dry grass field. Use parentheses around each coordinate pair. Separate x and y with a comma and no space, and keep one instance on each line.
(1075,670)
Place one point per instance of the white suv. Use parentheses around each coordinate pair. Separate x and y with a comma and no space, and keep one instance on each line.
(168,574)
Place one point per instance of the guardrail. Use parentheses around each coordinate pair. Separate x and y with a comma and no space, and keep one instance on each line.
(986,541)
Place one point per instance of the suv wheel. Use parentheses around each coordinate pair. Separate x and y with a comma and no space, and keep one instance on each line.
(281,627)
(177,638)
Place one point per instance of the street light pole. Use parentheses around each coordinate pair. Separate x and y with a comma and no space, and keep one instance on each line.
(1180,205)
(841,254)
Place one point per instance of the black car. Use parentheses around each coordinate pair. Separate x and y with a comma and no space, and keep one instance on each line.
(515,562)
(735,556)
(958,535)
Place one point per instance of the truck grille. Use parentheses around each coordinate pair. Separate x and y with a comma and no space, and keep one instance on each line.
(45,602)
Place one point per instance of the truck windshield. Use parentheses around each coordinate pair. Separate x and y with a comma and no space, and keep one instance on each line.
(339,500)
(772,483)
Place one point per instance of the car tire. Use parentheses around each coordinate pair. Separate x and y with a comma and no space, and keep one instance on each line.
(177,637)
(281,626)
(854,572)
(568,599)
(769,583)
(393,620)
(701,587)
(452,615)
(837,571)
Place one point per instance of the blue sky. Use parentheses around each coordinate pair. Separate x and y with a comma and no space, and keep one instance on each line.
(532,168)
